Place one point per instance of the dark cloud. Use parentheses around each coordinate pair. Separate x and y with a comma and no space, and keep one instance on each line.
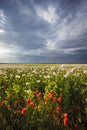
(80,41)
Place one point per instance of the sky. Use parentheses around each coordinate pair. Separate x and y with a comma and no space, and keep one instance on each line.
(43,31)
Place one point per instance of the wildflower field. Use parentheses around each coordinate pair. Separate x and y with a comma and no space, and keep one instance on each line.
(43,97)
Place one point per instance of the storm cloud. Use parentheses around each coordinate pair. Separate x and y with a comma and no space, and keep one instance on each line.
(48,31)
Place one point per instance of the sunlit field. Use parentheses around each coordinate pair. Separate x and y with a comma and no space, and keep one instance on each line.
(43,96)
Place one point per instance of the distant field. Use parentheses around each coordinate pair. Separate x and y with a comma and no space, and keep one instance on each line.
(67,65)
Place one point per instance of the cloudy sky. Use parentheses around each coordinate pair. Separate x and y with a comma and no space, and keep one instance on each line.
(43,31)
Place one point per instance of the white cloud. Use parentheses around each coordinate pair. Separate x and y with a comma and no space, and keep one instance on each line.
(2,17)
(8,52)
(48,15)
(71,30)
(4,23)
(62,33)
(6,46)
(73,50)
(8,58)
(63,28)
(34,52)
(2,31)
(51,45)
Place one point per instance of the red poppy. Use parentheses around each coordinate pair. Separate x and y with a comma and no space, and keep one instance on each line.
(60,99)
(51,94)
(39,95)
(32,104)
(66,119)
(54,99)
(2,103)
(28,101)
(24,111)
(17,111)
(65,115)
(66,122)
(58,108)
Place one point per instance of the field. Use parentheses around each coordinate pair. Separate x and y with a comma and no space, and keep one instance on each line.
(43,96)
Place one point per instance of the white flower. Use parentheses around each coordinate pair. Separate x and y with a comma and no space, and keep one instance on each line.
(38,81)
(27,83)
(54,73)
(85,71)
(69,71)
(27,91)
(17,76)
(66,74)
(62,66)
(47,76)
(23,75)
(76,74)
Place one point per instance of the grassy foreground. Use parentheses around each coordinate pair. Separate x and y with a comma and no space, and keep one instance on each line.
(43,96)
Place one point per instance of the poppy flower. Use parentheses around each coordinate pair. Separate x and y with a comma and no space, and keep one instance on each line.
(39,95)
(28,101)
(32,104)
(66,119)
(17,111)
(66,122)
(60,99)
(2,103)
(65,115)
(54,99)
(24,111)
(51,94)
(58,108)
